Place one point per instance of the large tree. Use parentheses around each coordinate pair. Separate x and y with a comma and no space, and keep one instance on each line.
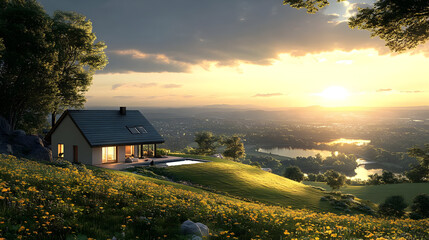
(207,142)
(234,147)
(78,57)
(26,62)
(46,64)
(402,24)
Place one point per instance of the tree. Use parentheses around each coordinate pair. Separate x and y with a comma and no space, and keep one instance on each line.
(335,179)
(388,177)
(46,64)
(26,62)
(207,142)
(420,172)
(294,173)
(402,24)
(420,207)
(78,57)
(392,207)
(234,147)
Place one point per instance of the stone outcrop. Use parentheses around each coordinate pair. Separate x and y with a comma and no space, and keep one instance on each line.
(20,144)
(194,230)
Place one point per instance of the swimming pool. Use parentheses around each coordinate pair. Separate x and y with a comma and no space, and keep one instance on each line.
(183,162)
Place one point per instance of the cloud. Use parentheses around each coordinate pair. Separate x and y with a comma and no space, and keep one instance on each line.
(347,62)
(124,97)
(172,36)
(171,86)
(268,94)
(384,90)
(133,85)
(413,91)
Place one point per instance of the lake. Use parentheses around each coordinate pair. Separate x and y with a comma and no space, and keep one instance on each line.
(361,172)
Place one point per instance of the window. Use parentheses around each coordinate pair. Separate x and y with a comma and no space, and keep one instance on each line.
(129,150)
(60,150)
(108,154)
(141,129)
(137,130)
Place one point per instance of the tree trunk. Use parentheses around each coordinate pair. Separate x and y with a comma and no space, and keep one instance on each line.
(54,118)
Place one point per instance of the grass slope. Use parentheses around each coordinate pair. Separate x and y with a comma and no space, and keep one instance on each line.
(44,201)
(247,182)
(379,193)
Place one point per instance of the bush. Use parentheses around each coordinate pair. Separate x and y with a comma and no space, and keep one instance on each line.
(335,179)
(393,207)
(294,173)
(162,151)
(420,207)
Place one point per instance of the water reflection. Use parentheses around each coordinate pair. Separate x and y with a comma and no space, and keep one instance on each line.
(296,152)
(357,142)
(362,173)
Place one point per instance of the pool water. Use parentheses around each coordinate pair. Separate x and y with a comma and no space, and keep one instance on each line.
(182,162)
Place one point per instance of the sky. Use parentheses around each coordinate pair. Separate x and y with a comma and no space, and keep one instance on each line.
(252,53)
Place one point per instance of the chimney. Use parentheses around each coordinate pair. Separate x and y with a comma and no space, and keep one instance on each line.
(123,110)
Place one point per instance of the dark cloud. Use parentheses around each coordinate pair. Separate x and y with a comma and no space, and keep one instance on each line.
(268,94)
(384,90)
(170,36)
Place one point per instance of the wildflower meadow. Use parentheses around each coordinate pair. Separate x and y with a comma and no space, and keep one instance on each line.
(65,201)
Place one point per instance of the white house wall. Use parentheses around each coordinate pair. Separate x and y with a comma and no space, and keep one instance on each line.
(68,134)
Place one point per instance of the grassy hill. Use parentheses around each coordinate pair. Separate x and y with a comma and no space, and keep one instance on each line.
(379,193)
(247,182)
(65,201)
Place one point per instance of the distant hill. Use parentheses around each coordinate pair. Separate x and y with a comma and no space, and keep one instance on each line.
(312,114)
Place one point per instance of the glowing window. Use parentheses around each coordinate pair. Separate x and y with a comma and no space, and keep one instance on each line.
(108,154)
(60,150)
(129,150)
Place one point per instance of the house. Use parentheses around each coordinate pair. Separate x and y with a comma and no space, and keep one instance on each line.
(102,136)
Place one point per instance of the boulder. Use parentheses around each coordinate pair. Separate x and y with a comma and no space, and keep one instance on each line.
(4,127)
(6,148)
(27,141)
(194,229)
(41,153)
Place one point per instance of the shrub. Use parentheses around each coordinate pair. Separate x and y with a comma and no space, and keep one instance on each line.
(393,207)
(162,151)
(420,207)
(335,179)
(294,173)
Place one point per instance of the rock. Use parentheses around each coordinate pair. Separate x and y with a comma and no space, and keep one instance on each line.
(41,153)
(28,141)
(19,133)
(195,229)
(4,127)
(204,229)
(323,199)
(6,149)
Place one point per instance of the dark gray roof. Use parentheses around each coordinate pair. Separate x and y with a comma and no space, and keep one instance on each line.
(109,127)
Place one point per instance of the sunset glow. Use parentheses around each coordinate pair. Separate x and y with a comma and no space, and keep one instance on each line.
(335,93)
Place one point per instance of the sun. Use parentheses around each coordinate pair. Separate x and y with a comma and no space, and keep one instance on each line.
(335,93)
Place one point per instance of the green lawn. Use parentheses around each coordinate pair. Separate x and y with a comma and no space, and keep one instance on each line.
(247,182)
(378,193)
